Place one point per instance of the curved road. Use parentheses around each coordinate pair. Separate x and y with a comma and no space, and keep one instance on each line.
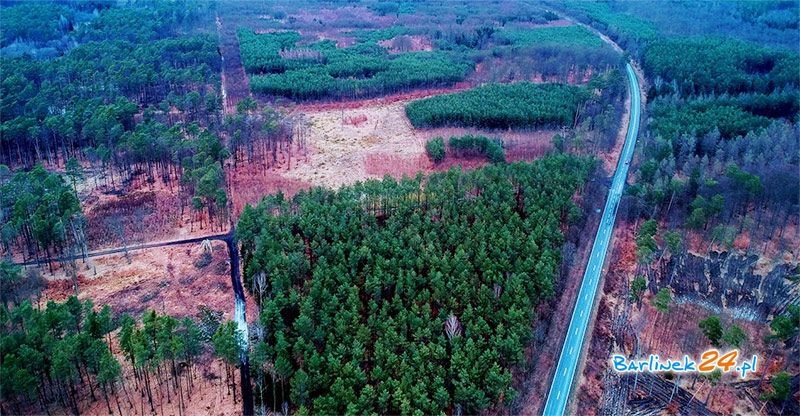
(573,344)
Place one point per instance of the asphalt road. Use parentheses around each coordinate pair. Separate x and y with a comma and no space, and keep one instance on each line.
(573,344)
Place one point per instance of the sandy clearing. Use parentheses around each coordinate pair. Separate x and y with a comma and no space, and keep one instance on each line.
(342,153)
(338,150)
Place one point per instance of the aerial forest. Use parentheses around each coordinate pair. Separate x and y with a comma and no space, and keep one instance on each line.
(393,206)
(723,116)
(127,93)
(390,296)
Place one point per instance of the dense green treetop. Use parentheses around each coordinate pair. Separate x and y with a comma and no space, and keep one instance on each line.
(704,65)
(521,104)
(34,22)
(322,69)
(41,209)
(378,296)
(122,61)
(573,36)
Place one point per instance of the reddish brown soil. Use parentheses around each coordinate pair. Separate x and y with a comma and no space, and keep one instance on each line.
(601,340)
(670,334)
(209,395)
(235,83)
(141,212)
(780,246)
(164,279)
(250,182)
(379,164)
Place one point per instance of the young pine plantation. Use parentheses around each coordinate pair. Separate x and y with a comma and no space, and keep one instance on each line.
(388,297)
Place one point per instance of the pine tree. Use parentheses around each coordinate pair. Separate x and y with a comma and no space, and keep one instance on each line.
(712,329)
(226,346)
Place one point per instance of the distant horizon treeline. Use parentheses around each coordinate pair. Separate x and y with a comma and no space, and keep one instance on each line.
(719,151)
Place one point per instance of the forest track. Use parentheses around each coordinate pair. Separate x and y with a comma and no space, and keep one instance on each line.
(235,85)
(125,249)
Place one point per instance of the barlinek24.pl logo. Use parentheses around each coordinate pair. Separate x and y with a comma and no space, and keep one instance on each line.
(710,360)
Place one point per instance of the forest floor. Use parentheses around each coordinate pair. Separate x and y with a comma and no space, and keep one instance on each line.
(139,212)
(249,182)
(780,247)
(235,84)
(670,334)
(209,396)
(174,280)
(169,280)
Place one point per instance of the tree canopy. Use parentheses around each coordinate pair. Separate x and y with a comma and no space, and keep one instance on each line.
(40,214)
(391,297)
(521,104)
(322,69)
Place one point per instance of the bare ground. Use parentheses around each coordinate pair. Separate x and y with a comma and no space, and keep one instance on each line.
(163,279)
(249,182)
(234,81)
(139,212)
(670,334)
(384,142)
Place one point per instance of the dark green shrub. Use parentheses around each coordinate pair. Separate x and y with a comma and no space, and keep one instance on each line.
(492,149)
(435,149)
